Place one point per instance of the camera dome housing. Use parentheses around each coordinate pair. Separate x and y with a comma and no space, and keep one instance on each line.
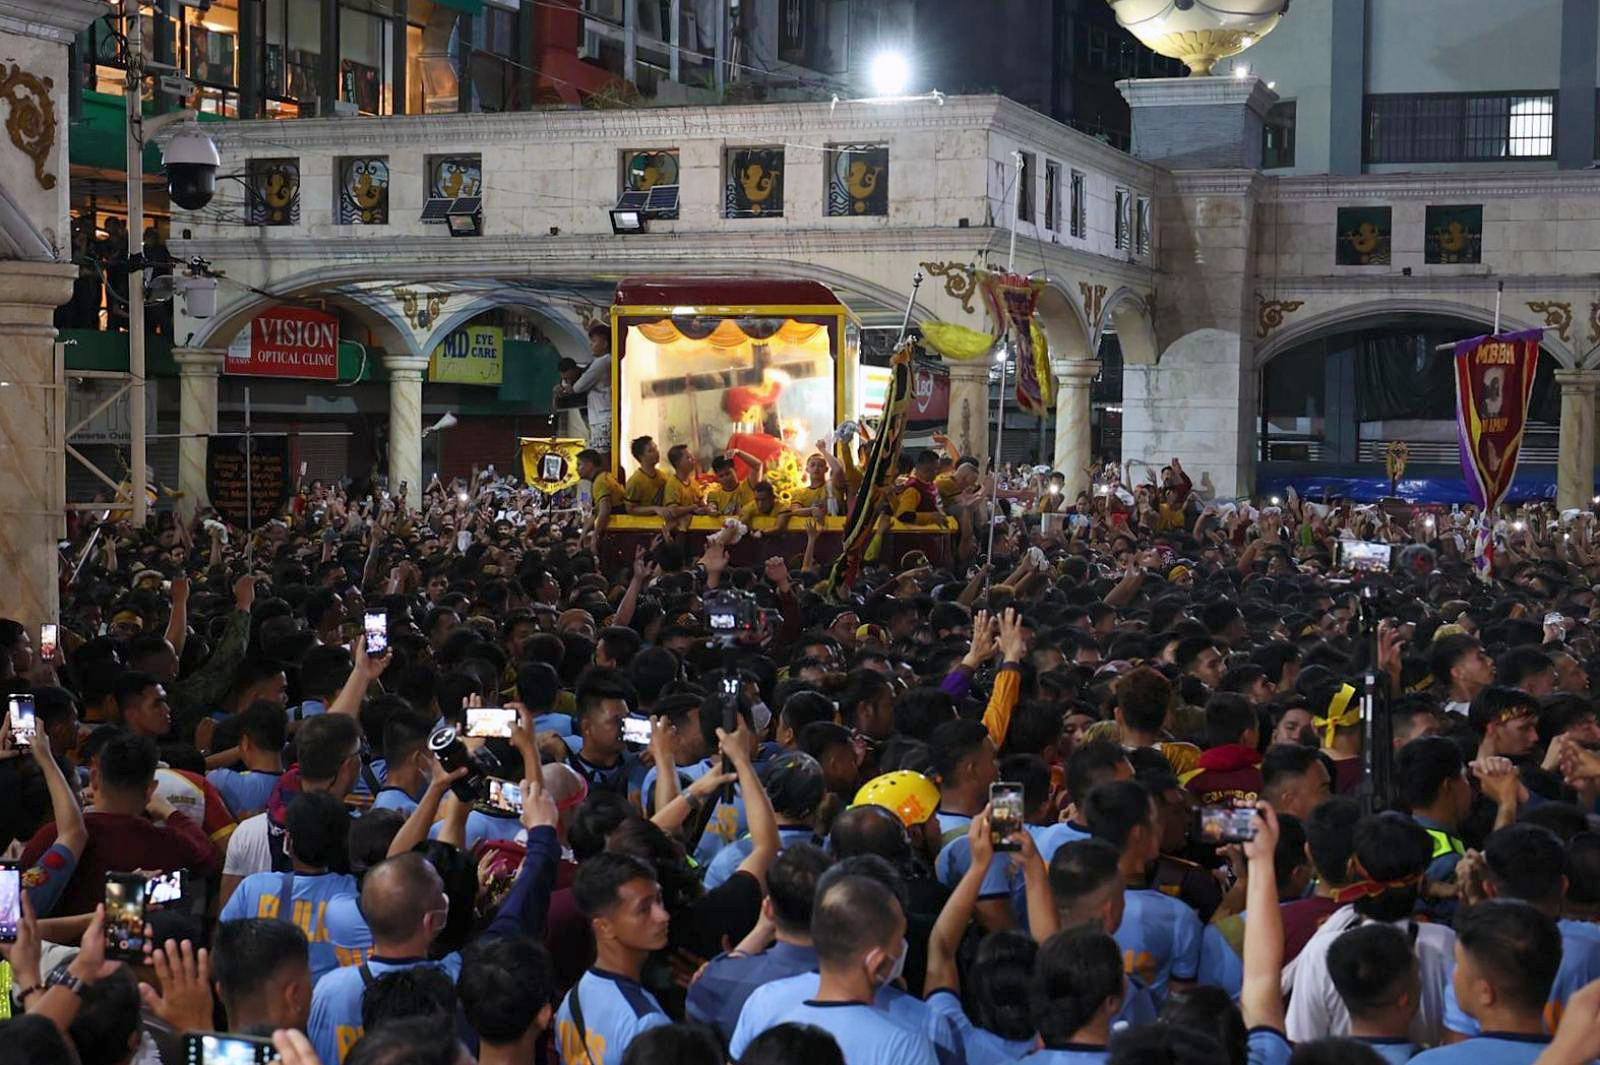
(191,162)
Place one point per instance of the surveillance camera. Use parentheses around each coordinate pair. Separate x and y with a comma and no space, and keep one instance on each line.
(191,162)
(199,296)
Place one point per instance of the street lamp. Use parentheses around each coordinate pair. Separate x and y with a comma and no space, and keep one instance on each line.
(889,74)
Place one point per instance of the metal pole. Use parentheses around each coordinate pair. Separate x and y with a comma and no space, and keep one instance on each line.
(1000,403)
(1499,290)
(905,321)
(133,97)
(249,481)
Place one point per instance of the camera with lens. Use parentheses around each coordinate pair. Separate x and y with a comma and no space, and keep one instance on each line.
(446,745)
(191,161)
(731,613)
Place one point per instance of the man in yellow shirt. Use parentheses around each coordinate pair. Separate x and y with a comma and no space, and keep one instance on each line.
(683,487)
(646,487)
(763,505)
(607,495)
(729,495)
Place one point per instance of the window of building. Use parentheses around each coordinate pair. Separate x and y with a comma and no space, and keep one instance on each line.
(1277,135)
(754,183)
(858,180)
(645,168)
(1459,127)
(273,196)
(1078,207)
(1052,196)
(453,175)
(361,191)
(1141,226)
(1025,179)
(1124,219)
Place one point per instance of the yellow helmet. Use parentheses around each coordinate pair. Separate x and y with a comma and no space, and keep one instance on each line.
(911,796)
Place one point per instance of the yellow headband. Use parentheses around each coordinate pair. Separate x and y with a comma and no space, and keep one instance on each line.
(1341,714)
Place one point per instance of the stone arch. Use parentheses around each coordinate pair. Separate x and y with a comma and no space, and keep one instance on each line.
(1376,313)
(563,331)
(852,288)
(219,330)
(1130,313)
(1069,331)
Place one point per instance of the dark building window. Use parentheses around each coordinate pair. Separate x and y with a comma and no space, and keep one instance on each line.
(1052,196)
(1078,207)
(1025,178)
(1460,127)
(1277,136)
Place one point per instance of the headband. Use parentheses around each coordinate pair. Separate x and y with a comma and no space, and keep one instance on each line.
(1343,712)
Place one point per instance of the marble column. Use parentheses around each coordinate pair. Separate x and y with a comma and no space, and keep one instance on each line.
(405,424)
(32,437)
(198,371)
(968,425)
(1073,449)
(1575,465)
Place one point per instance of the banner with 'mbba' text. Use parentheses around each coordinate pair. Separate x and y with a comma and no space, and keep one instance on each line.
(1494,380)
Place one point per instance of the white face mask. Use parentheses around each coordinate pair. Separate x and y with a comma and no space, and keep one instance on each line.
(898,969)
(760,717)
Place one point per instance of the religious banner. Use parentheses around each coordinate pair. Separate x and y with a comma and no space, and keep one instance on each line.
(247,495)
(469,356)
(1012,299)
(877,478)
(1494,379)
(287,342)
(550,464)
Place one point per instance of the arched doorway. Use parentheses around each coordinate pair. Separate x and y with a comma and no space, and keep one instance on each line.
(1330,403)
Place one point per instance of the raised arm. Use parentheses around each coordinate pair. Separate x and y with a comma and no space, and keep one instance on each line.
(178,623)
(942,974)
(757,806)
(1261,998)
(366,670)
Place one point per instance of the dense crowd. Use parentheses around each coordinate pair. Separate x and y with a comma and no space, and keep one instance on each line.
(438,787)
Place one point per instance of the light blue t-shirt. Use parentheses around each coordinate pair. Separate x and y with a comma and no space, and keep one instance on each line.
(982,1046)
(1393,1051)
(1160,939)
(1487,1050)
(260,895)
(335,1023)
(244,790)
(955,858)
(1580,964)
(729,858)
(482,827)
(867,1035)
(1267,1046)
(767,1002)
(394,799)
(615,1009)
(1220,964)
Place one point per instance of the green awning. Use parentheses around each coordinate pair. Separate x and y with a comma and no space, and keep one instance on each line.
(466,7)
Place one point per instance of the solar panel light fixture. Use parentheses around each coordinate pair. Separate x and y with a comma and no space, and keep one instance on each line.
(463,215)
(636,207)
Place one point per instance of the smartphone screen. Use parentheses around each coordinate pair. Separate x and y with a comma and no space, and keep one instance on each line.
(10,902)
(125,899)
(1226,824)
(218,1048)
(636,731)
(48,634)
(375,624)
(1005,814)
(502,798)
(164,888)
(23,721)
(491,721)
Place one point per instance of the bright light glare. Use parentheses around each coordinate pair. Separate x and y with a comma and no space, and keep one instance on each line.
(890,74)
(1241,72)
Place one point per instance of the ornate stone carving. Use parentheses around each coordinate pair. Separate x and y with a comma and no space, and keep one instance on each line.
(1094,299)
(1557,315)
(960,281)
(1269,313)
(420,308)
(31,121)
(1594,323)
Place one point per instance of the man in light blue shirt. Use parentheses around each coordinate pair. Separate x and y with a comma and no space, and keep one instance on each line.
(600,1016)
(405,905)
(1160,936)
(262,730)
(407,763)
(317,826)
(858,930)
(1507,955)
